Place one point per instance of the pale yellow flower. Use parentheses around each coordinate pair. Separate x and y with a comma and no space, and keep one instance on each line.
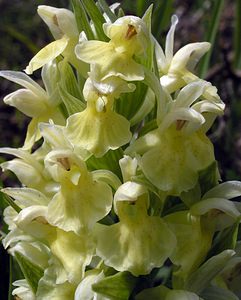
(62,25)
(34,101)
(84,289)
(179,144)
(82,200)
(29,170)
(138,241)
(128,36)
(176,70)
(71,253)
(23,290)
(98,128)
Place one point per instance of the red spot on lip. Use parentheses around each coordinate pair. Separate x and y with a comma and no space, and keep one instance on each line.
(131,31)
(180,124)
(55,20)
(41,220)
(64,161)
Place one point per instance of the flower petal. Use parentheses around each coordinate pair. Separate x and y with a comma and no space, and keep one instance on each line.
(26,196)
(35,252)
(25,81)
(54,135)
(78,207)
(179,158)
(128,167)
(224,205)
(188,56)
(74,252)
(170,40)
(45,55)
(98,132)
(193,117)
(23,290)
(110,62)
(84,290)
(228,190)
(124,67)
(128,191)
(94,52)
(49,290)
(59,20)
(190,93)
(25,172)
(81,201)
(135,246)
(27,102)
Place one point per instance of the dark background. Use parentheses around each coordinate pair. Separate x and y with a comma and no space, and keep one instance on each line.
(22,34)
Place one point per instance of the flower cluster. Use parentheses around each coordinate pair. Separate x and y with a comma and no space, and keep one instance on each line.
(120,194)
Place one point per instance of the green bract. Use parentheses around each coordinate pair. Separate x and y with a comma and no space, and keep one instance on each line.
(119,194)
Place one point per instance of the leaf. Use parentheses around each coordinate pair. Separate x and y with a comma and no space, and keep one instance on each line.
(202,277)
(192,196)
(110,161)
(129,103)
(82,21)
(14,274)
(140,7)
(209,177)
(161,16)
(211,34)
(10,202)
(69,81)
(116,287)
(96,17)
(175,208)
(171,204)
(149,126)
(31,272)
(148,60)
(107,10)
(69,90)
(72,104)
(226,239)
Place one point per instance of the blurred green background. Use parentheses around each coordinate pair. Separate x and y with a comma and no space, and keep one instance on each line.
(23,33)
